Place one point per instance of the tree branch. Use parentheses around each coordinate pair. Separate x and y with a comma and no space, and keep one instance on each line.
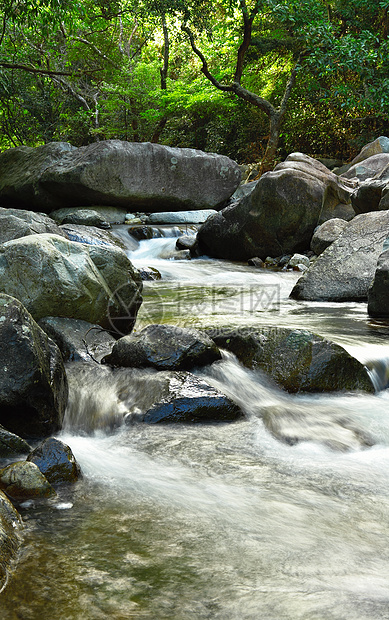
(204,69)
(288,88)
(11,65)
(68,88)
(96,49)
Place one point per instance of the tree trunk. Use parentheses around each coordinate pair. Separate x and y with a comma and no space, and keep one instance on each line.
(267,162)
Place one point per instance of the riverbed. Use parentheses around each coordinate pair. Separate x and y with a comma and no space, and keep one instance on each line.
(225,521)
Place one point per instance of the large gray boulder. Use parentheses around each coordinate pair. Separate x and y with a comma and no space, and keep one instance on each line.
(326,234)
(21,168)
(15,223)
(52,276)
(279,216)
(141,176)
(368,168)
(164,347)
(345,270)
(296,359)
(33,384)
(10,527)
(378,294)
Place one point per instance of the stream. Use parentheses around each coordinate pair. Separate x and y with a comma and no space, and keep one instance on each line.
(224,521)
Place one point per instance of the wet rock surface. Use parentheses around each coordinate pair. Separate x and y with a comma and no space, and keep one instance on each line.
(189,399)
(56,461)
(296,359)
(10,526)
(33,384)
(164,347)
(79,281)
(77,339)
(24,480)
(11,444)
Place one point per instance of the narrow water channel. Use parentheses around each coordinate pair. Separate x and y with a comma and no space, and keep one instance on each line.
(220,522)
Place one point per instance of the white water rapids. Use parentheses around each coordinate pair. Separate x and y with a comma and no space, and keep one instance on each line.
(224,522)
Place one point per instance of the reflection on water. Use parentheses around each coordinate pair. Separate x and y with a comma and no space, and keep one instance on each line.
(282,515)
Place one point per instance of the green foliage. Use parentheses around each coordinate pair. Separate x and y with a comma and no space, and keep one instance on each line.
(100,68)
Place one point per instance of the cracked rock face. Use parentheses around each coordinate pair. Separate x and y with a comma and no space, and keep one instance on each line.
(345,270)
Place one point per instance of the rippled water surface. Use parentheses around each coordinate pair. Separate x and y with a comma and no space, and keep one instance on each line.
(228,521)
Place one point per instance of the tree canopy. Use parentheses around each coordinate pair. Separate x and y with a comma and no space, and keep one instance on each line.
(253,79)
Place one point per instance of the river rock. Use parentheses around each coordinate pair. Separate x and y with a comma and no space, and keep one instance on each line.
(296,359)
(149,273)
(368,168)
(91,235)
(24,480)
(15,223)
(56,461)
(132,175)
(85,217)
(10,526)
(180,217)
(33,385)
(279,216)
(345,270)
(291,425)
(188,242)
(326,234)
(141,232)
(77,339)
(21,168)
(378,294)
(189,399)
(11,444)
(112,215)
(164,347)
(368,195)
(380,145)
(55,277)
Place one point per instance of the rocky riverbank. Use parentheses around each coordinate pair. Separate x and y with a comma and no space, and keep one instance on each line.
(69,293)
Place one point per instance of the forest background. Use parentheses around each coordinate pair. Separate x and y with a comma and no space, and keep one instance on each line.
(253,80)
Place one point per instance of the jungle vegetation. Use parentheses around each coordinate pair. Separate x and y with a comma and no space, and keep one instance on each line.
(251,79)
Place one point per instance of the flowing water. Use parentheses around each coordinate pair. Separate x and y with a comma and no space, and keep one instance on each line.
(227,521)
